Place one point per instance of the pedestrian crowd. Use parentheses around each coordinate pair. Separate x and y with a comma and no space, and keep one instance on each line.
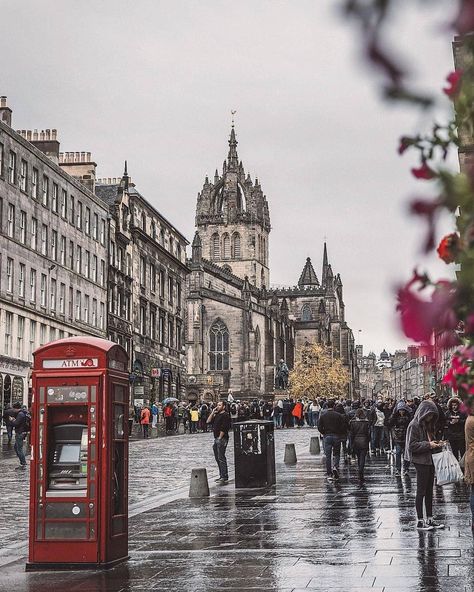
(414,431)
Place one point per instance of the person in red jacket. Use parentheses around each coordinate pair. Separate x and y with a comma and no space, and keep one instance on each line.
(145,421)
(298,413)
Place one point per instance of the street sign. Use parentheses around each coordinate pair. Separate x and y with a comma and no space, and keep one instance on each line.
(155,372)
(138,390)
(166,373)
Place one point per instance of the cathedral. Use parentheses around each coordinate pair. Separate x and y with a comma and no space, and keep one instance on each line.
(237,327)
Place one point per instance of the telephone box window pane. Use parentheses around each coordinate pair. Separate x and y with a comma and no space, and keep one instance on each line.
(118,525)
(119,422)
(92,531)
(67,394)
(93,394)
(65,530)
(119,393)
(92,490)
(42,394)
(92,450)
(39,530)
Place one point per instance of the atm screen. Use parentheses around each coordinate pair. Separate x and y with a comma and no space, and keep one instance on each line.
(69,453)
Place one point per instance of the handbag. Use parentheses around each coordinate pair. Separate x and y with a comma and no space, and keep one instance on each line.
(446,467)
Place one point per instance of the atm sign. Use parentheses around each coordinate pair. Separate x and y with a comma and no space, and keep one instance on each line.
(82,363)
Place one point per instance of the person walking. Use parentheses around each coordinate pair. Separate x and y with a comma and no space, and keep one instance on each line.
(398,423)
(469,458)
(221,425)
(314,411)
(145,421)
(297,413)
(154,415)
(455,421)
(9,412)
(194,420)
(359,429)
(19,422)
(420,445)
(332,426)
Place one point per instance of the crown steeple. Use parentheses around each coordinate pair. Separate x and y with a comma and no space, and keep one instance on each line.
(326,265)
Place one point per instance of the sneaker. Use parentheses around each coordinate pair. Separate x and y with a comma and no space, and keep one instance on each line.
(434,524)
(223,481)
(335,474)
(422,525)
(218,479)
(330,478)
(20,467)
(398,474)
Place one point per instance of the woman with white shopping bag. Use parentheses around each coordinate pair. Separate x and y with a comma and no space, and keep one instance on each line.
(419,448)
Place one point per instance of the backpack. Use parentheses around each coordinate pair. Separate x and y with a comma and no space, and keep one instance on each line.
(233,408)
(27,424)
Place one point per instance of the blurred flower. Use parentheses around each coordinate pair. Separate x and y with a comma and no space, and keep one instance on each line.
(420,318)
(423,172)
(449,247)
(454,80)
(405,142)
(429,210)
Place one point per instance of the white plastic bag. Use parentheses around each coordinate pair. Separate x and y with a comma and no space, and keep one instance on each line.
(446,466)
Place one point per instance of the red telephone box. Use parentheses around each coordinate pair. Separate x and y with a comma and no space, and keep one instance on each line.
(79,455)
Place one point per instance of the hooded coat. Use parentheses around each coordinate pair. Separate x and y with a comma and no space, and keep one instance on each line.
(455,420)
(417,444)
(399,424)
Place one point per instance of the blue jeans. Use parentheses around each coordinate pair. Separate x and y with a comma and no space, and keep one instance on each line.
(314,418)
(277,417)
(332,445)
(19,448)
(399,452)
(219,452)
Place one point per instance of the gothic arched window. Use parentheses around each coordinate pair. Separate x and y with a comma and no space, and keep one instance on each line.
(306,314)
(226,246)
(262,278)
(219,346)
(215,250)
(153,230)
(236,254)
(143,221)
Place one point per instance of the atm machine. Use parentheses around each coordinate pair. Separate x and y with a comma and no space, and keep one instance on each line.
(67,465)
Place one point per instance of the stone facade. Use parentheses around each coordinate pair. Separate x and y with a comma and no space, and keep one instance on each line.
(235,331)
(147,276)
(53,252)
(318,312)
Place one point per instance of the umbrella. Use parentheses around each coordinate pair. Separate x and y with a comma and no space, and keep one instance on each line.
(169,400)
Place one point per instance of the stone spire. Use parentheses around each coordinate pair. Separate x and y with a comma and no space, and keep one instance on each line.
(325,265)
(308,276)
(197,248)
(125,177)
(232,157)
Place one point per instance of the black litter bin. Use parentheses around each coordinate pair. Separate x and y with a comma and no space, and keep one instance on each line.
(254,453)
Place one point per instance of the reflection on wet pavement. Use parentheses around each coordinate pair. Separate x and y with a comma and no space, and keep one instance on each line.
(303,534)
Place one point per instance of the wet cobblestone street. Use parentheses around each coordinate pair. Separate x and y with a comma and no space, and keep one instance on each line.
(304,533)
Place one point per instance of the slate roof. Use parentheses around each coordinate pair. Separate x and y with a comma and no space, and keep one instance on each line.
(308,276)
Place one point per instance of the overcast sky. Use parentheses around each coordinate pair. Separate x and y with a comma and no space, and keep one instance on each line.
(154,81)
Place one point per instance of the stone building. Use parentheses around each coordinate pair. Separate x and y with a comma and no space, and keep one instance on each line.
(318,312)
(235,330)
(53,250)
(147,275)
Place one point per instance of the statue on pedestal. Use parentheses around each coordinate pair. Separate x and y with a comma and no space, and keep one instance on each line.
(282,373)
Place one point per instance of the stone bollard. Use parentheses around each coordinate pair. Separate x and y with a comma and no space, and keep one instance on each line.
(314,446)
(199,487)
(290,454)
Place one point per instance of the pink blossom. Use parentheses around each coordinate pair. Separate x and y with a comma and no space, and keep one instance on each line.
(423,172)
(454,80)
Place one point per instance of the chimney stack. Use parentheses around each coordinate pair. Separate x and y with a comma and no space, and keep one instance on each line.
(5,112)
(81,166)
(44,140)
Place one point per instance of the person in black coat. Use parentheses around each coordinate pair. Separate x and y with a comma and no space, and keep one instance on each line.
(398,423)
(454,431)
(333,426)
(359,429)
